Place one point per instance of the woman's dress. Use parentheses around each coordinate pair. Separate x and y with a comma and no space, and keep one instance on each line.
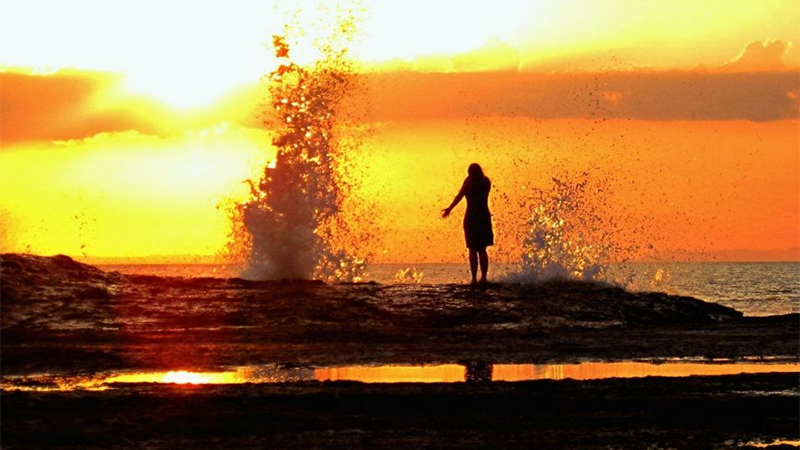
(478,220)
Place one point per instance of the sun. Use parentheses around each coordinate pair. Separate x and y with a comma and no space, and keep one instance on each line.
(190,54)
(194,85)
(383,31)
(184,53)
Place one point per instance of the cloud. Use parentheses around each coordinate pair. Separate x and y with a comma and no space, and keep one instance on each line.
(759,56)
(58,106)
(792,56)
(642,94)
(760,84)
(77,104)
(495,54)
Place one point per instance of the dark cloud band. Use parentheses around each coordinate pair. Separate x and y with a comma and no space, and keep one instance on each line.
(647,95)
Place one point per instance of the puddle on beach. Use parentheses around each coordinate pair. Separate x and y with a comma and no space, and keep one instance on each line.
(443,373)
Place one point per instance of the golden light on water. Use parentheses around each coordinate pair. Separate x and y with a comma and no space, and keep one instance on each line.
(445,373)
(181,377)
(781,442)
(449,373)
(602,370)
(436,373)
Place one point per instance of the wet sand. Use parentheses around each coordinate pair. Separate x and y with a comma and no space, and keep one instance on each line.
(59,316)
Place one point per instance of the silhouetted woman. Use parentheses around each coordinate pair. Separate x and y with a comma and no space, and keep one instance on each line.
(477,219)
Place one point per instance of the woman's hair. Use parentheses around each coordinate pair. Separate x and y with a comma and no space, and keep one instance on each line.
(475,171)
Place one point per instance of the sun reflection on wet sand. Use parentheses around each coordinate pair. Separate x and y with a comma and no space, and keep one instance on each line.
(601,370)
(449,373)
(182,377)
(442,373)
(445,373)
(791,443)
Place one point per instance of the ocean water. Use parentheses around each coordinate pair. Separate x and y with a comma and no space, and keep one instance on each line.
(754,288)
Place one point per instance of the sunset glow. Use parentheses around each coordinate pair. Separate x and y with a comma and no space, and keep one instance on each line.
(128,131)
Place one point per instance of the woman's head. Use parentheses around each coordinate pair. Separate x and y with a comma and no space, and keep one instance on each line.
(475,171)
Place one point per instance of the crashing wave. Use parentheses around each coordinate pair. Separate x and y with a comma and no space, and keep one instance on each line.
(569,235)
(292,219)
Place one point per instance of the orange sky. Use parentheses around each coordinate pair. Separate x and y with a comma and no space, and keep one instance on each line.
(115,143)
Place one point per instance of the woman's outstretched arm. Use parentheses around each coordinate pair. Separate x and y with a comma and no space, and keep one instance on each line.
(459,196)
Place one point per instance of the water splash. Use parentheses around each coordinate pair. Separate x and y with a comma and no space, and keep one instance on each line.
(409,275)
(570,233)
(291,221)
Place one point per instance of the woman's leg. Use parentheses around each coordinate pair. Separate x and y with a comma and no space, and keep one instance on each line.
(484,263)
(473,264)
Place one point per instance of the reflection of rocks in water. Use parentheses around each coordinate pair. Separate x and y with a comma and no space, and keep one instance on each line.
(478,371)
